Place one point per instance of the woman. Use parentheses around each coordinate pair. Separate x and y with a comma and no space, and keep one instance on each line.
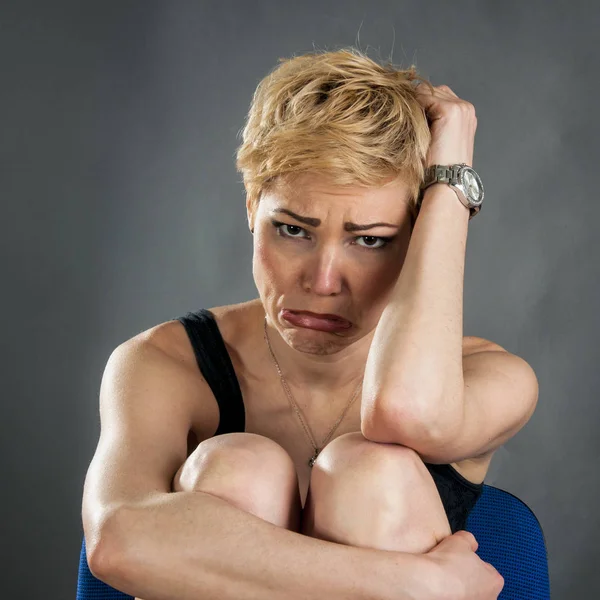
(342,404)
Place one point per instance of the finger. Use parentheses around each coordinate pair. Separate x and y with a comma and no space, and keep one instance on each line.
(439,91)
(429,97)
(426,96)
(470,538)
(423,89)
(447,91)
(490,566)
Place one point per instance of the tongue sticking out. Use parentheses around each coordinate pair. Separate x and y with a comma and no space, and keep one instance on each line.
(314,322)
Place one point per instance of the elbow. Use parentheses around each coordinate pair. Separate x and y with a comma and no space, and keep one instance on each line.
(391,409)
(374,420)
(392,423)
(105,548)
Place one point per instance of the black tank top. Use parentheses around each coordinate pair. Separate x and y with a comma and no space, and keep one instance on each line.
(458,494)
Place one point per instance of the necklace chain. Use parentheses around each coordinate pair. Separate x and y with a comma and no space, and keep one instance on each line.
(294,406)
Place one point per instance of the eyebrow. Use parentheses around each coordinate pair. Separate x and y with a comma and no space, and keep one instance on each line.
(313,222)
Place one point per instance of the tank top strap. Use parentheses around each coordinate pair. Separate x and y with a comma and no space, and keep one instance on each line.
(216,367)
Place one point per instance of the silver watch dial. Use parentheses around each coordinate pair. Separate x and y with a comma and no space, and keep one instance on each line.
(472,185)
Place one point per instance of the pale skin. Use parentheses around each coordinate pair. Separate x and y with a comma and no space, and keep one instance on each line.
(359,492)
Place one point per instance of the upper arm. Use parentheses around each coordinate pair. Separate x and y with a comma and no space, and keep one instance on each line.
(500,396)
(148,403)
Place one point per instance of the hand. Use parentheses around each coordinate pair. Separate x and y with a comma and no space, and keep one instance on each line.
(452,122)
(463,575)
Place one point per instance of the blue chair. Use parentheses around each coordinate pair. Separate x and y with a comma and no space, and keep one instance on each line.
(509,535)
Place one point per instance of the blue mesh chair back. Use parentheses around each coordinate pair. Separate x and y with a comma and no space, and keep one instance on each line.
(509,535)
(511,539)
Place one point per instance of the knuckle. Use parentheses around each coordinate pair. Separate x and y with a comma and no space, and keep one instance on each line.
(455,108)
(468,107)
(468,534)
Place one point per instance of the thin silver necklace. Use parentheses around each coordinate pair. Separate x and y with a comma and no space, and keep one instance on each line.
(294,406)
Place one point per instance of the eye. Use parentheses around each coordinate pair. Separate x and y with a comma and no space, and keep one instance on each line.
(291,229)
(369,238)
(285,230)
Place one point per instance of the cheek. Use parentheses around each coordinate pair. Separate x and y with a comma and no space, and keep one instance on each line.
(386,275)
(375,291)
(382,277)
(269,267)
(373,298)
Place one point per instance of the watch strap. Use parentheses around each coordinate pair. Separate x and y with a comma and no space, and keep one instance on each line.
(444,174)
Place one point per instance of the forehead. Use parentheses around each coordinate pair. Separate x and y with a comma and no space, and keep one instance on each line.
(320,194)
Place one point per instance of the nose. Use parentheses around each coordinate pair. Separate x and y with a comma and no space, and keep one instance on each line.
(324,274)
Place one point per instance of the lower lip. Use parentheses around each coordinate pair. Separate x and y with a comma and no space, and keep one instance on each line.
(312,322)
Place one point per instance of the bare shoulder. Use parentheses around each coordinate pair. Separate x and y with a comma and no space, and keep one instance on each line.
(237,321)
(172,339)
(240,326)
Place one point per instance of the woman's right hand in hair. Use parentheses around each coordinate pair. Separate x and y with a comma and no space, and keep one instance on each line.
(462,575)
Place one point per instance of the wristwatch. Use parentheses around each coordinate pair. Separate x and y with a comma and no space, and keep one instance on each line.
(463,179)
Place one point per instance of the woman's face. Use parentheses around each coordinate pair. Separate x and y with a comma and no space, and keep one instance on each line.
(318,260)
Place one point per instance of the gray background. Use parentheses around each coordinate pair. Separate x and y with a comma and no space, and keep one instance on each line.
(121,209)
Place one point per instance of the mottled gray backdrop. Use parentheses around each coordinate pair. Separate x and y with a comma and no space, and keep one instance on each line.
(121,209)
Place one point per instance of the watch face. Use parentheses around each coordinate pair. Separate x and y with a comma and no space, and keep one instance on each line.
(473,185)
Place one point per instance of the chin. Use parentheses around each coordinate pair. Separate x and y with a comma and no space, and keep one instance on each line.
(312,341)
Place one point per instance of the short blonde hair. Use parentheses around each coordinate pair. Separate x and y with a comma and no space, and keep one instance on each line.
(338,113)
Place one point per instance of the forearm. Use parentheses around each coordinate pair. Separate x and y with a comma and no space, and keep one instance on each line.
(414,369)
(191,545)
